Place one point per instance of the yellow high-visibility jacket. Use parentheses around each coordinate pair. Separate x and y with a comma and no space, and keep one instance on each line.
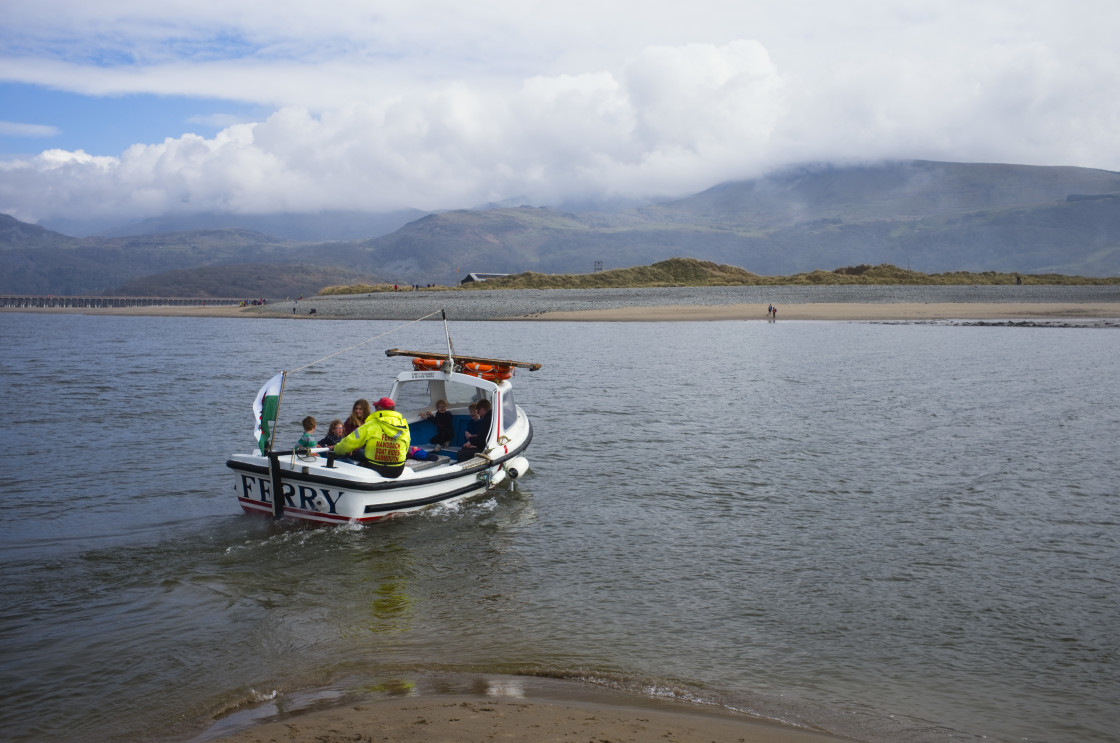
(384,435)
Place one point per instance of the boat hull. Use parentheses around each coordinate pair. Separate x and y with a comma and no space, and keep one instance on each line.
(347,493)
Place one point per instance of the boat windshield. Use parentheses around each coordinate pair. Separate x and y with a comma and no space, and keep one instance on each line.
(422,394)
(509,411)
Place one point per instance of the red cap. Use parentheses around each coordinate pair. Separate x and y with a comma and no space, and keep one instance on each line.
(385,402)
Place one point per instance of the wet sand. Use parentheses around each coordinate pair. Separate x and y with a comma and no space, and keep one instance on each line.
(880,312)
(478,719)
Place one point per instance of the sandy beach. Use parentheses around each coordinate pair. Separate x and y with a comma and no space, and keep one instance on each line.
(818,311)
(479,719)
(848,311)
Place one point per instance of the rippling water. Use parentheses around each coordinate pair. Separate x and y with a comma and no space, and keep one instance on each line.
(893,532)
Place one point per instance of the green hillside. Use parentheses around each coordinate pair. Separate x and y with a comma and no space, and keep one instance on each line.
(692,272)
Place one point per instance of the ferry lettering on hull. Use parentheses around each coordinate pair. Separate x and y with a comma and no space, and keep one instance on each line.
(310,499)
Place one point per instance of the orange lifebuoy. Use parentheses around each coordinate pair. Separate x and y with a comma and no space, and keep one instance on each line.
(489,372)
(427,364)
(499,370)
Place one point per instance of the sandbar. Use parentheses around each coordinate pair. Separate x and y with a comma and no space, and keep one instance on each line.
(478,719)
(851,311)
(842,311)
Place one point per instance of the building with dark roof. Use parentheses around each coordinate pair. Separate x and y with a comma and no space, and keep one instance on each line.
(482,277)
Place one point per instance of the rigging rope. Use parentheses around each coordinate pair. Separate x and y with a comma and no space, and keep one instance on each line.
(368,340)
(276,419)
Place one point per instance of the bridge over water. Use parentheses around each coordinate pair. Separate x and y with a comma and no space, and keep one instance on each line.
(38,301)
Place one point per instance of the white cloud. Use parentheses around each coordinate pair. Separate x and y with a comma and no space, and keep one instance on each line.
(656,129)
(217,121)
(16,129)
(437,105)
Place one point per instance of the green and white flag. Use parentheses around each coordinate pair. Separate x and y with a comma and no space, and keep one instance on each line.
(265,408)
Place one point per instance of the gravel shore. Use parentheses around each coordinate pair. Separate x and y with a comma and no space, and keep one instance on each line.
(533,303)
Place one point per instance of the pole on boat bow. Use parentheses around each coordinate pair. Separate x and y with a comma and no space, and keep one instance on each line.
(274,458)
(276,414)
(277,485)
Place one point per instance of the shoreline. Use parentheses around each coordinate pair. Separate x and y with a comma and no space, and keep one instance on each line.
(551,713)
(815,311)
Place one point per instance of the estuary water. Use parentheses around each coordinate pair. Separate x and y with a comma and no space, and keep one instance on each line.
(893,532)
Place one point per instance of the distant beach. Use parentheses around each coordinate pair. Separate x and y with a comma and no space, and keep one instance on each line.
(1071,304)
(901,312)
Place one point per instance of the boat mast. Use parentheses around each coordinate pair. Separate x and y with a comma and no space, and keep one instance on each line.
(450,361)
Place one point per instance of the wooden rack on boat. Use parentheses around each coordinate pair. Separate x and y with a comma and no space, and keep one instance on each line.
(531,366)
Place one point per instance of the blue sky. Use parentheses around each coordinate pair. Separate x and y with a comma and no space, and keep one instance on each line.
(107,125)
(128,109)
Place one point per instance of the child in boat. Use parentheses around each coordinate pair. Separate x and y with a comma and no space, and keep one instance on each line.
(334,434)
(477,430)
(357,417)
(307,440)
(445,425)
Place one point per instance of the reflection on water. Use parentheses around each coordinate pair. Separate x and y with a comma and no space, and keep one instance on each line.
(891,532)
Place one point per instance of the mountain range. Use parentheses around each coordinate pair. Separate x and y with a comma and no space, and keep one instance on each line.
(924,216)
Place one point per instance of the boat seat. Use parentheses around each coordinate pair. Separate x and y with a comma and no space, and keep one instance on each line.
(422,431)
(461,423)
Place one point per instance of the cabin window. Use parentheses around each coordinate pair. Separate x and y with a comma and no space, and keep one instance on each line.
(413,396)
(459,395)
(509,410)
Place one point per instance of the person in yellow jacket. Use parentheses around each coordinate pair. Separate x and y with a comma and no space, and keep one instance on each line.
(385,438)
